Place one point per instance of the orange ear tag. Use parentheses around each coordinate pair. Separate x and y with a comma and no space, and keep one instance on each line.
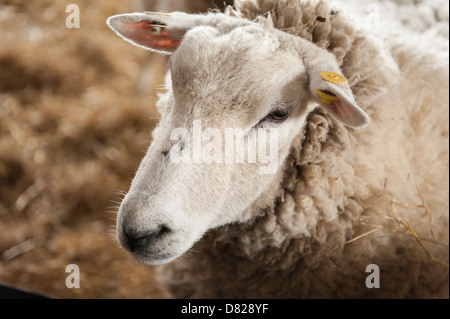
(327,98)
(159,36)
(334,78)
(152,34)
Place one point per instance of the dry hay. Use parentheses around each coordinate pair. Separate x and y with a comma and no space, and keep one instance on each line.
(73,128)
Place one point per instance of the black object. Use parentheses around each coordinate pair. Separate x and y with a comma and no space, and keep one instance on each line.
(7,292)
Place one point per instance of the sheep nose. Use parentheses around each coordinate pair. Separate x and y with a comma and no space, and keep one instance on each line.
(140,240)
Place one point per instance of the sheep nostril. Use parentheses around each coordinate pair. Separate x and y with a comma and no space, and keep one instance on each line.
(163,230)
(140,240)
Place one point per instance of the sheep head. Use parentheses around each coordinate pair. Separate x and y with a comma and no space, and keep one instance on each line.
(239,92)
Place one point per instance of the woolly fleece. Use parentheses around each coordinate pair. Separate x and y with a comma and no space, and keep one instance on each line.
(347,197)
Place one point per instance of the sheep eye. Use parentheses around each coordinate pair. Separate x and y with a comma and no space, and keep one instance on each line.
(277,116)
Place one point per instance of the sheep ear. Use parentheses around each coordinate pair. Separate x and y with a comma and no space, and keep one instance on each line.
(332,91)
(152,31)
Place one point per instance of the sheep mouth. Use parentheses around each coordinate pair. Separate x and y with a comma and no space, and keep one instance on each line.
(155,259)
(152,254)
(148,251)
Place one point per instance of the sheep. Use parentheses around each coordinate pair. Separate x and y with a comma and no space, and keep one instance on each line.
(357,206)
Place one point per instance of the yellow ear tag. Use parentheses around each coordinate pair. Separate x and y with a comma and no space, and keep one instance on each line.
(334,78)
(326,97)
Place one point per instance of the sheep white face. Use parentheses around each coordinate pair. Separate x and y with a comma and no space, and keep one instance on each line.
(233,83)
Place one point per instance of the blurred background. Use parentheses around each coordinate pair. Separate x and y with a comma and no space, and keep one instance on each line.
(76,115)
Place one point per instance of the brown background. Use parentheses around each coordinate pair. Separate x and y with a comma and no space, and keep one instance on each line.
(76,115)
